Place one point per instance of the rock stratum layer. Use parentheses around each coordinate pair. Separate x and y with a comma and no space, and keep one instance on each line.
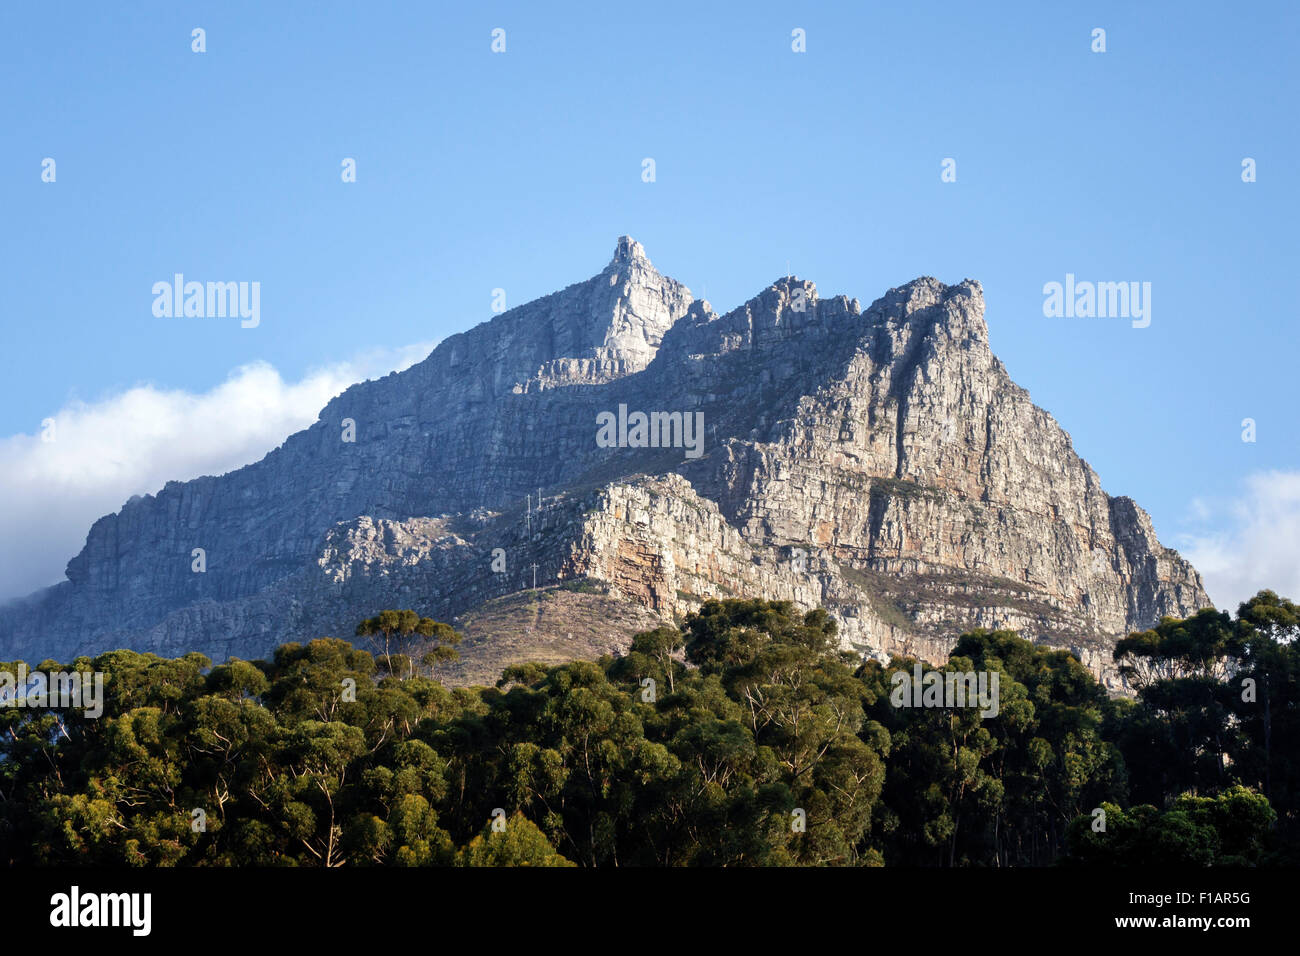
(880,463)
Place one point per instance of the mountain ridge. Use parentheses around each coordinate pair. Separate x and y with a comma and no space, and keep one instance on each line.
(886,442)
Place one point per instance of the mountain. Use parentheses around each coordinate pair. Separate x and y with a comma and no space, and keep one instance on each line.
(880,463)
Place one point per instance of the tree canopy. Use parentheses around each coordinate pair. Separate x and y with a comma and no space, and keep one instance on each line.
(744,737)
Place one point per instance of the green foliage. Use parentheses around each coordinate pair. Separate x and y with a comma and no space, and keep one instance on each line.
(436,641)
(1218,706)
(1230,829)
(521,843)
(1193,648)
(763,744)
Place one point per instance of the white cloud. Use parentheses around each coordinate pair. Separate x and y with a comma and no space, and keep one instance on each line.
(1258,544)
(135,441)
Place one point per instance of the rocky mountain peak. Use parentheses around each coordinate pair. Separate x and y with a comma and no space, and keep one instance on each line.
(591,332)
(877,462)
(612,324)
(627,250)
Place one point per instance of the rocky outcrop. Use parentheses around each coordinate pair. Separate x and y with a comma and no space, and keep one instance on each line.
(877,462)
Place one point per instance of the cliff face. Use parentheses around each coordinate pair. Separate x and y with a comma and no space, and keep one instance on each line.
(880,463)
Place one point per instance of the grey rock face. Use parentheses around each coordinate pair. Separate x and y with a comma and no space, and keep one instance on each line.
(880,463)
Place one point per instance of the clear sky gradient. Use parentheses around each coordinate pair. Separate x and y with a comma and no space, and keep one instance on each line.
(518,170)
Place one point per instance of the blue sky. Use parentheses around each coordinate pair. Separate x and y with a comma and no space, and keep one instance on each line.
(478,170)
